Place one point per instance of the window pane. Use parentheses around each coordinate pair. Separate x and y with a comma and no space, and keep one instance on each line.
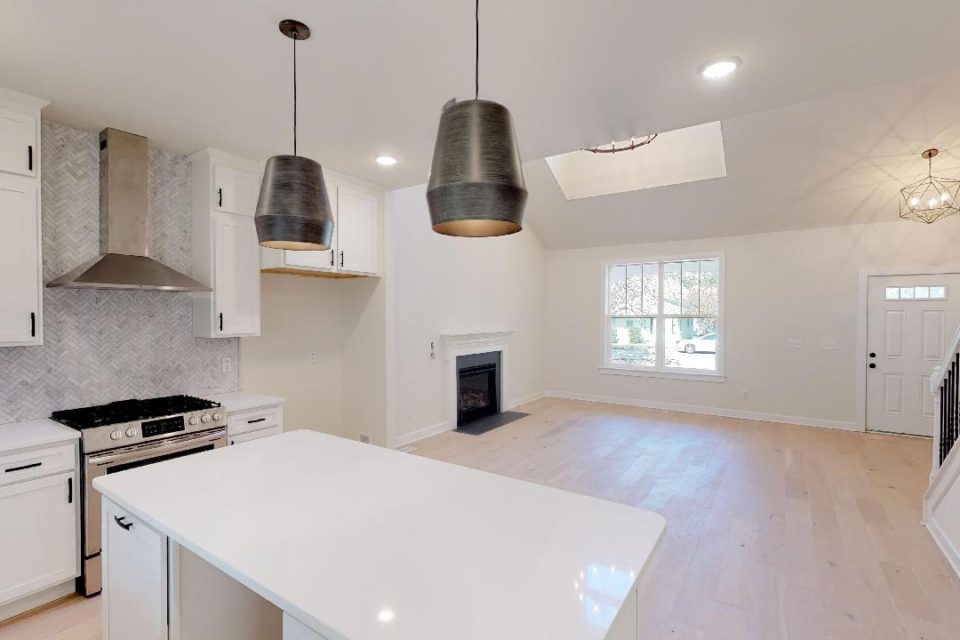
(651,286)
(635,290)
(690,283)
(633,342)
(938,293)
(892,293)
(671,288)
(710,287)
(616,290)
(921,293)
(906,293)
(691,343)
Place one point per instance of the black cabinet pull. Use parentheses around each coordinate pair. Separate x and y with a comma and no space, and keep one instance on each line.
(69,490)
(29,157)
(33,324)
(123,523)
(219,197)
(221,322)
(256,420)
(331,257)
(341,259)
(21,468)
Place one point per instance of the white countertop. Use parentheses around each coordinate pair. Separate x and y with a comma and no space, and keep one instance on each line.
(241,400)
(336,533)
(34,433)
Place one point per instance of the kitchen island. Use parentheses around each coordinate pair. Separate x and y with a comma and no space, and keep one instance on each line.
(307,536)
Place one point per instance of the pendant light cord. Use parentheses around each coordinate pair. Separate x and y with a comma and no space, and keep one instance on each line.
(294,96)
(476,59)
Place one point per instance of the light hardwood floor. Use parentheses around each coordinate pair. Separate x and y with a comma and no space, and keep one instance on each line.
(774,531)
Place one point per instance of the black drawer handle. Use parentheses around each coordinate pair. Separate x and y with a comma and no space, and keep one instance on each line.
(331,257)
(33,324)
(341,259)
(33,465)
(219,197)
(29,157)
(256,420)
(221,322)
(123,523)
(69,490)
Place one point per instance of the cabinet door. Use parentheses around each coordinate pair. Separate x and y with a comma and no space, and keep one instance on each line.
(38,535)
(358,230)
(236,278)
(235,190)
(18,143)
(318,260)
(134,578)
(20,321)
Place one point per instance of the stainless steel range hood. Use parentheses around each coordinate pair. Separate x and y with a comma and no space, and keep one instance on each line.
(123,263)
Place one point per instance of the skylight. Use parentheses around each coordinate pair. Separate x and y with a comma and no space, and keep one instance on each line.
(675,157)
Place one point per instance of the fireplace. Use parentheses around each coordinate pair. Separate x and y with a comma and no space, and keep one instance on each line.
(478,386)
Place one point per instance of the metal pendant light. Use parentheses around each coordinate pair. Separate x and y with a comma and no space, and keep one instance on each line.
(476,185)
(293,211)
(931,198)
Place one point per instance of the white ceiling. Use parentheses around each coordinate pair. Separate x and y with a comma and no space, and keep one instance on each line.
(192,73)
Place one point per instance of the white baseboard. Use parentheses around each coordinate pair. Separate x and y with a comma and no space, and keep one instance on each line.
(37,599)
(710,411)
(946,547)
(943,481)
(533,397)
(406,439)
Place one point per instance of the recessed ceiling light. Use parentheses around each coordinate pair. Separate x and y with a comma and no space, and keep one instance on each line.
(720,68)
(386,161)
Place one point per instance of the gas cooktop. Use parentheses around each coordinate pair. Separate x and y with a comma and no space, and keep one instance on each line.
(130,411)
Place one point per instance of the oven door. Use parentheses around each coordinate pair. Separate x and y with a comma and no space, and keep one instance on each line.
(106,462)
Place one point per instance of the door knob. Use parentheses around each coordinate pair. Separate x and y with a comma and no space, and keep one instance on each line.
(873,365)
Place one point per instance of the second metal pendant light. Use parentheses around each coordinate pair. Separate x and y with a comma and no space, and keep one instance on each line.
(476,185)
(293,211)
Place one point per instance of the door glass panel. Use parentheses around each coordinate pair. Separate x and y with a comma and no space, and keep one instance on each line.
(633,342)
(938,293)
(906,293)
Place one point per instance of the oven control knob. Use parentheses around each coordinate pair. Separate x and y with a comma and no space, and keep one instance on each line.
(131,432)
(116,435)
(193,420)
(218,416)
(205,417)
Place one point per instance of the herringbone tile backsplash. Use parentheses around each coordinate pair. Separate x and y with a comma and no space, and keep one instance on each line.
(101,346)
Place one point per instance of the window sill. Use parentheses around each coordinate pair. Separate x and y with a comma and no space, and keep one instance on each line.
(664,375)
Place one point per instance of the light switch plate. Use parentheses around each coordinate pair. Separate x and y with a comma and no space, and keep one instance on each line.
(226,364)
(794,343)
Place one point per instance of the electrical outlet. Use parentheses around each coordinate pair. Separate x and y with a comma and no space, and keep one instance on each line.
(226,364)
(313,357)
(745,394)
(794,343)
(830,344)
(364,438)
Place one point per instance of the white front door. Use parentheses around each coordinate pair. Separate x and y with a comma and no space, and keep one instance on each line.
(910,321)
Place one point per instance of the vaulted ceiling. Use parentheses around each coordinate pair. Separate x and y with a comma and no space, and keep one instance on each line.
(820,121)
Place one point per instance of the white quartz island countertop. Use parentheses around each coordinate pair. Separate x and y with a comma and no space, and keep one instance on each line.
(359,542)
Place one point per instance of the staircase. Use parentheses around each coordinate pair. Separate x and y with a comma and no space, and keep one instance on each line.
(941,503)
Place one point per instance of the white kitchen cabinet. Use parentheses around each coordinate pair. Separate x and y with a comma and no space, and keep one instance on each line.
(255,435)
(21,288)
(355,245)
(358,230)
(134,578)
(38,534)
(226,254)
(19,151)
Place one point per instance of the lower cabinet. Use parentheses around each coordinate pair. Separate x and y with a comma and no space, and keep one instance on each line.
(134,578)
(255,435)
(38,535)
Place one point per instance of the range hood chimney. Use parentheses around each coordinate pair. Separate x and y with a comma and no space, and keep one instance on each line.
(123,263)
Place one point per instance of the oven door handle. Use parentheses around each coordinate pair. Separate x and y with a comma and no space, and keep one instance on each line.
(158,448)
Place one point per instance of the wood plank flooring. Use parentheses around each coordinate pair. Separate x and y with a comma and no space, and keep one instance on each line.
(774,531)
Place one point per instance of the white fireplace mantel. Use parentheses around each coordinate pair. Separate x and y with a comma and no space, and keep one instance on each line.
(465,344)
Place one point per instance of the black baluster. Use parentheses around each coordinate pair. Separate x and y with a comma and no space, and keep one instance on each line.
(943,419)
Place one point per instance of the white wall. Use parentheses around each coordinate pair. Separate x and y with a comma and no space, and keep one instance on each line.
(440,284)
(299,315)
(778,285)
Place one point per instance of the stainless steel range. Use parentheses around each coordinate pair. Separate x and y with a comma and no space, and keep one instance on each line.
(132,433)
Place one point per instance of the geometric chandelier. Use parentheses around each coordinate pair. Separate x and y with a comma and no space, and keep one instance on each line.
(931,198)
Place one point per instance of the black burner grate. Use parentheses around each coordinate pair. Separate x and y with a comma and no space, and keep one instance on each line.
(130,410)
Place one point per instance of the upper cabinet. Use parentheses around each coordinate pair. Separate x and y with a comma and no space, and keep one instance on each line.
(355,246)
(226,254)
(21,265)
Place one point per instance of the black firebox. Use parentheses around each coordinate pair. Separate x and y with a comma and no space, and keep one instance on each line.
(478,386)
